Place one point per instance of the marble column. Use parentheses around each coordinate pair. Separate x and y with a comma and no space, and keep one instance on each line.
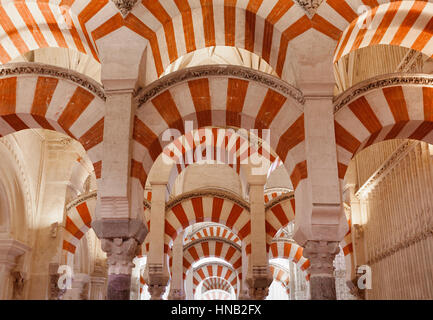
(80,287)
(10,250)
(156,261)
(318,195)
(322,280)
(177,290)
(243,288)
(260,277)
(97,287)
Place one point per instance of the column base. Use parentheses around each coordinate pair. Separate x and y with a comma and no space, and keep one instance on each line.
(119,287)
(322,288)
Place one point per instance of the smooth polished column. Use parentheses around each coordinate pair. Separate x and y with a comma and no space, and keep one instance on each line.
(259,278)
(157,266)
(243,291)
(322,280)
(177,291)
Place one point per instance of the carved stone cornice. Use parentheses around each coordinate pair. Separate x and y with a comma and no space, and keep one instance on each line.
(125,6)
(386,167)
(207,239)
(279,199)
(33,68)
(410,62)
(206,71)
(207,193)
(81,199)
(379,82)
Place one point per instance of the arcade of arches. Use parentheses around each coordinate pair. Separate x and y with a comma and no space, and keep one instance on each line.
(216,149)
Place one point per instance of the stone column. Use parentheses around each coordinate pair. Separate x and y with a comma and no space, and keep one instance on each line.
(319,210)
(80,287)
(292,291)
(157,265)
(243,289)
(98,287)
(189,284)
(120,239)
(259,278)
(10,250)
(120,253)
(177,290)
(322,280)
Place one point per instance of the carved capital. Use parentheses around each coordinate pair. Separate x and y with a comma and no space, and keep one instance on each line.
(259,282)
(156,291)
(120,253)
(176,294)
(321,255)
(125,6)
(310,6)
(259,293)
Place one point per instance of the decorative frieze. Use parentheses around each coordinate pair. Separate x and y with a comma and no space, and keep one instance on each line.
(207,239)
(386,167)
(207,193)
(383,81)
(279,199)
(239,72)
(33,68)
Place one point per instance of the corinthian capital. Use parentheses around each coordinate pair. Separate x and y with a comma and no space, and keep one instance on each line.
(125,6)
(120,253)
(321,255)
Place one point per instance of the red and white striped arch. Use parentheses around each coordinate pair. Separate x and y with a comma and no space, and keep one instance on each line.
(215,270)
(391,112)
(272,194)
(34,101)
(216,283)
(401,23)
(177,27)
(202,207)
(216,295)
(215,145)
(215,231)
(79,215)
(224,250)
(27,25)
(279,213)
(219,101)
(280,274)
(284,249)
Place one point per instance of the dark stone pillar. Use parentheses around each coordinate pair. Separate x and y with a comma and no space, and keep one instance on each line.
(120,239)
(322,280)
(119,286)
